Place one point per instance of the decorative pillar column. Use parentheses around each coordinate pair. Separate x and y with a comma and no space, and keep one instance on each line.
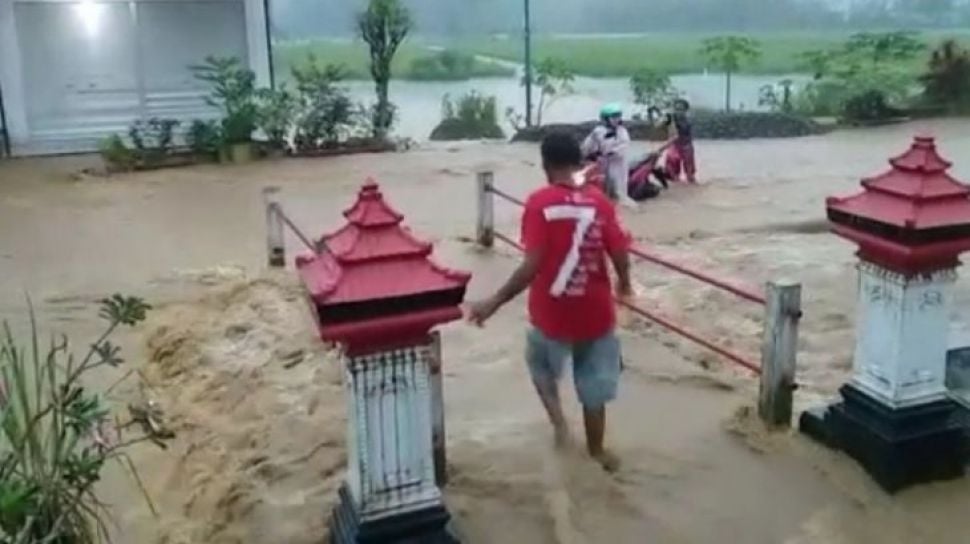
(377,294)
(896,417)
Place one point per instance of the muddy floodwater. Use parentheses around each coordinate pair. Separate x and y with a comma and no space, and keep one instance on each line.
(230,351)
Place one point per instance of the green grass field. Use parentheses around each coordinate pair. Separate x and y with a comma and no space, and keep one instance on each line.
(679,53)
(600,56)
(354,57)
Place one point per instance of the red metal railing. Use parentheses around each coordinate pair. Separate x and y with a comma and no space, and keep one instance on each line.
(648,255)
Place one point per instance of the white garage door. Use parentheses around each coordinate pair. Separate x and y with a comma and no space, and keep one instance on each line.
(91,68)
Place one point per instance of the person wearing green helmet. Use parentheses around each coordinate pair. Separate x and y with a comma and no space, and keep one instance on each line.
(608,143)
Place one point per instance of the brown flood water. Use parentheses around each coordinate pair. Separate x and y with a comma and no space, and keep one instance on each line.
(231,354)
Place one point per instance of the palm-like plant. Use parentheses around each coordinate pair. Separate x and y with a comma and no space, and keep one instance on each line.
(56,435)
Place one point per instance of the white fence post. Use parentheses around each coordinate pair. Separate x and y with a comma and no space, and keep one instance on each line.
(485,234)
(275,248)
(778,352)
(438,413)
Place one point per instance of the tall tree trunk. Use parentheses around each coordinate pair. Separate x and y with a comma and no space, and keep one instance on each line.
(727,93)
(382,113)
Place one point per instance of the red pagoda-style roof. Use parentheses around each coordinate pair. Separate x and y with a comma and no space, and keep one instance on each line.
(375,279)
(911,217)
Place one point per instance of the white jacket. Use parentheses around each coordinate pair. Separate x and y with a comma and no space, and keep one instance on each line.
(612,152)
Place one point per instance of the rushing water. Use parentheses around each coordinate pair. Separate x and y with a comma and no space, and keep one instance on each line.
(419,103)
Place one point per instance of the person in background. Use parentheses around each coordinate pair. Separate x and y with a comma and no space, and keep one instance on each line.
(608,143)
(680,154)
(568,232)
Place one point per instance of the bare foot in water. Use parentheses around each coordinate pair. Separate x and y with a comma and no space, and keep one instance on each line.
(608,460)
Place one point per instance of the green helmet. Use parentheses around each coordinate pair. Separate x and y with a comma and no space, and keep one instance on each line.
(610,110)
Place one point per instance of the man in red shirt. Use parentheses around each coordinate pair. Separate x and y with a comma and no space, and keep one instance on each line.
(568,230)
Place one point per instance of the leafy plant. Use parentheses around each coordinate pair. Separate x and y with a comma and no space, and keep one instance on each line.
(652,88)
(276,111)
(472,116)
(947,80)
(554,79)
(849,78)
(153,140)
(116,155)
(729,54)
(204,137)
(383,25)
(325,113)
(234,93)
(56,435)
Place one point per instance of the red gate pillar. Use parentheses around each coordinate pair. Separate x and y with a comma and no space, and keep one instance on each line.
(377,294)
(896,417)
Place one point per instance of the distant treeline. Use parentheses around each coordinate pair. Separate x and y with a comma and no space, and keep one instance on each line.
(294,19)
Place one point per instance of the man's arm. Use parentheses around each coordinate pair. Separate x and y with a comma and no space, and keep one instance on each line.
(621,263)
(519,281)
(533,239)
(618,247)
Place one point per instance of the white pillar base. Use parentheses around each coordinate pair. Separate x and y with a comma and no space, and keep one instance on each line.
(391,467)
(901,336)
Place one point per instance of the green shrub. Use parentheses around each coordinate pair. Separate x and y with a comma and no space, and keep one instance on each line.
(947,79)
(234,93)
(56,434)
(204,138)
(473,116)
(325,114)
(276,112)
(153,140)
(116,155)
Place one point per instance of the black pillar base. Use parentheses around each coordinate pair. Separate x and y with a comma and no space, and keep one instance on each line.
(897,447)
(427,526)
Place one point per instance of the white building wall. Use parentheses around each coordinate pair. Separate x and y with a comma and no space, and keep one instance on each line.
(74,71)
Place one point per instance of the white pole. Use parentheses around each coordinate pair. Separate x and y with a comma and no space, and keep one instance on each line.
(438,413)
(486,209)
(276,250)
(778,353)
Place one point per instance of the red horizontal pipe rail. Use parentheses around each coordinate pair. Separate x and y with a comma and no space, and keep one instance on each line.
(647,255)
(742,292)
(666,323)
(674,328)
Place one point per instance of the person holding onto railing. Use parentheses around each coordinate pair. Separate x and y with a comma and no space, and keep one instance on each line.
(568,231)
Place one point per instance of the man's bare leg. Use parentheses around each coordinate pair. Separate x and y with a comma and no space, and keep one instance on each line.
(595,421)
(553,405)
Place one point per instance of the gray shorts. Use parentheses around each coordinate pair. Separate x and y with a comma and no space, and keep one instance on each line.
(596,365)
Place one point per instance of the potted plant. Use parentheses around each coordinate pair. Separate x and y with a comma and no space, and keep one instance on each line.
(234,93)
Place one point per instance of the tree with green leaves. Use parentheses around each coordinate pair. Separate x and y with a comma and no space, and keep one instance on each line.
(729,54)
(652,88)
(554,79)
(384,25)
(879,47)
(947,81)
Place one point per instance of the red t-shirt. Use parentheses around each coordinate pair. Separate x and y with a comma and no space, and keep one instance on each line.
(570,298)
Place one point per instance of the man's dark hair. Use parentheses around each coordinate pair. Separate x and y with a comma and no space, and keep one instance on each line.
(560,150)
(683,103)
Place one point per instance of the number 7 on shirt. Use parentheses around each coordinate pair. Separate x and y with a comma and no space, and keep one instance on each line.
(584,216)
